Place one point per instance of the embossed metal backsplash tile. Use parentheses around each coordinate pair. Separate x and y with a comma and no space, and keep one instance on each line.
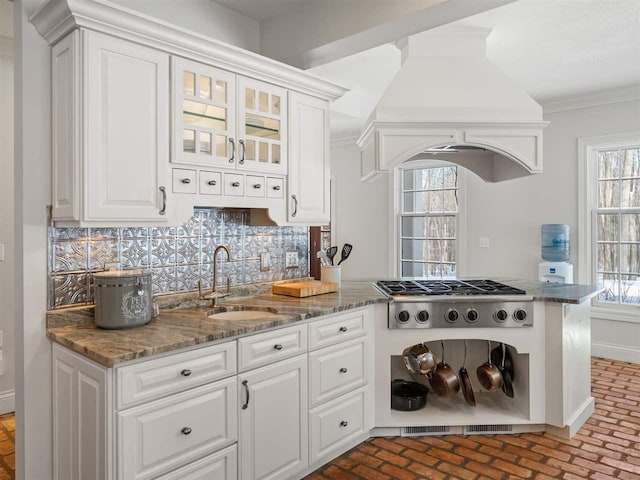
(178,257)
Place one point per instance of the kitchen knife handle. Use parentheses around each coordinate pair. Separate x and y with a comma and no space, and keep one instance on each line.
(295,205)
(246,388)
(233,151)
(163,210)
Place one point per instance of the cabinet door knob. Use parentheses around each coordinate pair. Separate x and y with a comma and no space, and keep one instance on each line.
(277,347)
(186,372)
(186,181)
(257,185)
(276,187)
(186,430)
(235,184)
(343,370)
(343,329)
(212,182)
(344,423)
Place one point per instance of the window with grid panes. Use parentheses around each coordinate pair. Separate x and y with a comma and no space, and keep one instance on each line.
(616,219)
(429,221)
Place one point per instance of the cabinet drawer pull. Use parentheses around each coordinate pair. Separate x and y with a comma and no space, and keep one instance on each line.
(257,185)
(277,346)
(344,423)
(186,181)
(186,372)
(241,142)
(186,430)
(246,389)
(343,370)
(163,210)
(233,151)
(212,182)
(276,187)
(235,184)
(343,329)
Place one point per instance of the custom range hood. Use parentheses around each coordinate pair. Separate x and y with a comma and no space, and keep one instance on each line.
(448,102)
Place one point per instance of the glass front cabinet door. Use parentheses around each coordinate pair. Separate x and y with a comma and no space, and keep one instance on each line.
(204,121)
(225,120)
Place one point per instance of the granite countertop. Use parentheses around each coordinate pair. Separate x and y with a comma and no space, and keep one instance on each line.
(184,322)
(177,328)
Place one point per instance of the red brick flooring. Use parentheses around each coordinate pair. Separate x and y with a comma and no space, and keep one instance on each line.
(607,447)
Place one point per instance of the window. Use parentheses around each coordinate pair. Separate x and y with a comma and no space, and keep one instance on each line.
(610,197)
(428,221)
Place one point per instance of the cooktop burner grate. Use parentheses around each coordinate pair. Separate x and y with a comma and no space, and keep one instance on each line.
(446,287)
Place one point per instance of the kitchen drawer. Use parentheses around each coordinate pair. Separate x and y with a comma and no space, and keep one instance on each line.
(157,378)
(159,436)
(337,425)
(234,184)
(337,329)
(337,370)
(265,348)
(275,187)
(210,183)
(184,181)
(255,186)
(222,465)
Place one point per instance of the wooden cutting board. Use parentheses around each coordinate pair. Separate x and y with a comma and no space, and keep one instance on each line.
(305,289)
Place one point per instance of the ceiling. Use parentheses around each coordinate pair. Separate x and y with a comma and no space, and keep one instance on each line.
(555,49)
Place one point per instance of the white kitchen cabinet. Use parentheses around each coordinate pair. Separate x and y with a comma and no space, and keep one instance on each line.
(274,420)
(308,201)
(222,465)
(110,121)
(80,404)
(225,120)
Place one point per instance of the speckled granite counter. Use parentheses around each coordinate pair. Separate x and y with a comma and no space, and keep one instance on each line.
(554,292)
(178,328)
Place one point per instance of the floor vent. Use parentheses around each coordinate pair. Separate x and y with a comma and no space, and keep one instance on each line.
(422,431)
(471,429)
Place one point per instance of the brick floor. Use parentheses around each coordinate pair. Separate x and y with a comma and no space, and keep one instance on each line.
(607,447)
(7,447)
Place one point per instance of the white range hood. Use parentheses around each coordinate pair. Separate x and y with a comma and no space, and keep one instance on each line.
(447,94)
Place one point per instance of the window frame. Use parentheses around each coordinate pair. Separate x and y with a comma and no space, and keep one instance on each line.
(588,148)
(395,192)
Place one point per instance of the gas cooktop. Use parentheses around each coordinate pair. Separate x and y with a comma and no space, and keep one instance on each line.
(446,287)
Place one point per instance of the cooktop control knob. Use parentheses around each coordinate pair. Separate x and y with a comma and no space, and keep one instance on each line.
(423,316)
(519,315)
(501,315)
(452,315)
(472,315)
(403,316)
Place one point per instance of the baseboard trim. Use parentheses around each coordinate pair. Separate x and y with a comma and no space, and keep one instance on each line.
(576,423)
(611,351)
(7,402)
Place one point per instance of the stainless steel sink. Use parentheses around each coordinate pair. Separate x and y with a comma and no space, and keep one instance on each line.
(231,313)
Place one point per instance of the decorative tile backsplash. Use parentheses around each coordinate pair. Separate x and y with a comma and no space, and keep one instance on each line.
(177,256)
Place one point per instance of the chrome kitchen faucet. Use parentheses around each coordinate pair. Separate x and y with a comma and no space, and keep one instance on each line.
(214,295)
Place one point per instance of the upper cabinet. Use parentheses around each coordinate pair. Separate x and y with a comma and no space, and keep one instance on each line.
(110,131)
(228,121)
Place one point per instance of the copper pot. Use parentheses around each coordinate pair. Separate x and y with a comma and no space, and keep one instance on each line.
(444,379)
(418,359)
(489,374)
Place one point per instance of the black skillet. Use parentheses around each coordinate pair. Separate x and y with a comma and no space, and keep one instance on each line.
(496,359)
(465,381)
(507,379)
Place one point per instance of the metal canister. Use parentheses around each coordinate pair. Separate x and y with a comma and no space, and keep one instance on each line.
(123,298)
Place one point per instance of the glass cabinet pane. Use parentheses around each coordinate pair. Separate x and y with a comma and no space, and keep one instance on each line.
(275,153)
(189,141)
(189,83)
(250,98)
(205,143)
(263,102)
(204,116)
(221,145)
(221,91)
(275,105)
(205,87)
(259,126)
(250,154)
(263,152)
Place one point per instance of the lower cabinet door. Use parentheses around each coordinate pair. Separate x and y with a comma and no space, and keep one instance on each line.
(338,425)
(274,420)
(222,465)
(162,435)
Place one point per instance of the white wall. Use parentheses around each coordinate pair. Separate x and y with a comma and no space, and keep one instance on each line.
(205,17)
(7,266)
(508,213)
(32,194)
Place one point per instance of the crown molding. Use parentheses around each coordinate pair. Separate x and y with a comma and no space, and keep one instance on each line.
(345,139)
(606,97)
(56,18)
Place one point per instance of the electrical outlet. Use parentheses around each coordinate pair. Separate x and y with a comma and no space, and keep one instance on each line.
(291,260)
(265,262)
(1,252)
(484,242)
